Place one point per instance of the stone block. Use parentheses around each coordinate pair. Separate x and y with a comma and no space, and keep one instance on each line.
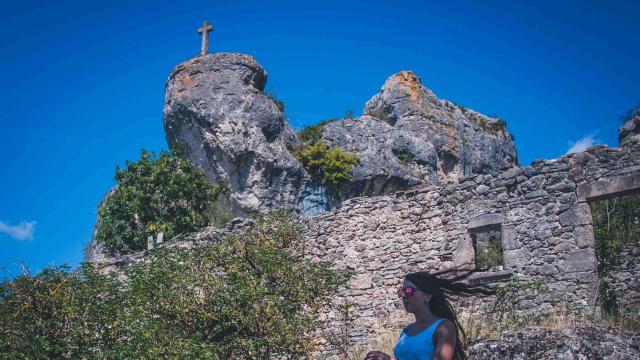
(509,240)
(580,260)
(577,215)
(608,187)
(362,281)
(463,254)
(584,236)
(485,220)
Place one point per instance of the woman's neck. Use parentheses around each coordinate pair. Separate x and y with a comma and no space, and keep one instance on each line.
(425,316)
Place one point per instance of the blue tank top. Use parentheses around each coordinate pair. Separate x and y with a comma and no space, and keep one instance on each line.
(417,347)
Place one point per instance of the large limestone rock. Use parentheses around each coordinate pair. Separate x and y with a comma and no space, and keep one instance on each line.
(466,141)
(411,137)
(215,109)
(586,342)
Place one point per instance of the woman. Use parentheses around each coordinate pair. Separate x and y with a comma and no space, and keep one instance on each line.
(436,332)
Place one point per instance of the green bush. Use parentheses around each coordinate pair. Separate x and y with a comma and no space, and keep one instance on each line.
(60,314)
(404,156)
(244,297)
(313,133)
(154,194)
(330,166)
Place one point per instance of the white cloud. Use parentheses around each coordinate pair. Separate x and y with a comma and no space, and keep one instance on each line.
(24,231)
(582,144)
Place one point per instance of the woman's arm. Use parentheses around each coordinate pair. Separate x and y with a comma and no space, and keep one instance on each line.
(445,341)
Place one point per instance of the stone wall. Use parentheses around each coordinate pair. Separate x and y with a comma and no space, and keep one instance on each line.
(625,281)
(542,210)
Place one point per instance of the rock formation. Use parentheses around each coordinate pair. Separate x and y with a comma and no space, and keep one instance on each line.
(409,137)
(587,342)
(630,131)
(215,109)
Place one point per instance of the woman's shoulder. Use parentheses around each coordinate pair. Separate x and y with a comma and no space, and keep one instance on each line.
(446,328)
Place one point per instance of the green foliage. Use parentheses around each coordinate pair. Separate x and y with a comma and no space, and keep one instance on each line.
(154,194)
(404,156)
(489,250)
(59,314)
(313,133)
(244,297)
(331,166)
(616,224)
(271,94)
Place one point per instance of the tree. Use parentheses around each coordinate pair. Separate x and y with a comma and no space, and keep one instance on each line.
(154,194)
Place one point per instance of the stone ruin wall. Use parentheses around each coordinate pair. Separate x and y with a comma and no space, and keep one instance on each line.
(543,211)
(626,281)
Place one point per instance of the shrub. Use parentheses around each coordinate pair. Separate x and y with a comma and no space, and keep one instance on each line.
(331,166)
(253,296)
(60,314)
(154,194)
(404,155)
(313,133)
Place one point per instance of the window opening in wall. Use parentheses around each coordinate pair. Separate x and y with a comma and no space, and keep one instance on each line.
(487,245)
(616,228)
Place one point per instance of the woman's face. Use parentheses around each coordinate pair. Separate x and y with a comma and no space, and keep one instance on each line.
(416,302)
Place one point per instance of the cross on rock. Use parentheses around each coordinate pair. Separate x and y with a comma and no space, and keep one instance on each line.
(204,30)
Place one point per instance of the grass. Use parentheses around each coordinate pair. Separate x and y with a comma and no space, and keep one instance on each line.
(385,343)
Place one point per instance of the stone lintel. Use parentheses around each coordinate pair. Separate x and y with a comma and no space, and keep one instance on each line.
(610,187)
(482,221)
(490,277)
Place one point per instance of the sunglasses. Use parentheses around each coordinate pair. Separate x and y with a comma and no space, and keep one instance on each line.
(406,292)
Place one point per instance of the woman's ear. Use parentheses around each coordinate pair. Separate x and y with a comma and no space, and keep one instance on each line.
(427,298)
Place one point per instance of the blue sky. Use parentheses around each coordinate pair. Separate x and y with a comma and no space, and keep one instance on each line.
(84,83)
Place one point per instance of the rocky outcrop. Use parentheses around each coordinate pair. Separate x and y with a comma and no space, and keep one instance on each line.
(216,110)
(589,342)
(630,131)
(409,137)
(461,141)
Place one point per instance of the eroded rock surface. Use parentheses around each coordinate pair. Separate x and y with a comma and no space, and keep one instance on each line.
(216,110)
(464,141)
(630,131)
(589,342)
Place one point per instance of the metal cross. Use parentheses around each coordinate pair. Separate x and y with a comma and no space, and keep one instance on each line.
(204,30)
